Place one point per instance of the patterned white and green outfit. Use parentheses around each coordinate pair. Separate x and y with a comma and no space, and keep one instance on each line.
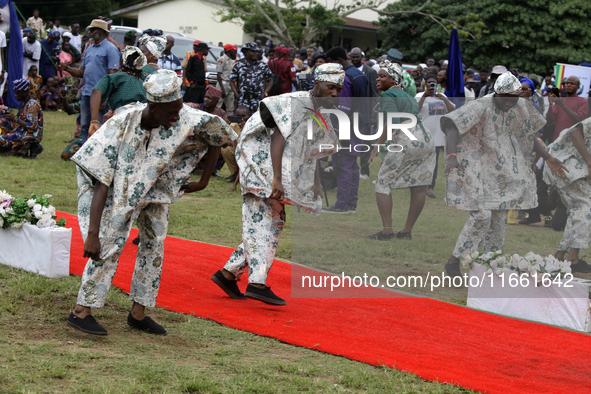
(575,189)
(486,227)
(414,165)
(264,218)
(495,151)
(144,171)
(262,222)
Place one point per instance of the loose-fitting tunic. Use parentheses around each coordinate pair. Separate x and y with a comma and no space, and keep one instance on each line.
(147,166)
(564,150)
(495,151)
(414,165)
(575,189)
(253,152)
(144,170)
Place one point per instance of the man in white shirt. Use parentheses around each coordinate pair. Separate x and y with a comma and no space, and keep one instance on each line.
(75,39)
(470,88)
(31,52)
(433,106)
(58,28)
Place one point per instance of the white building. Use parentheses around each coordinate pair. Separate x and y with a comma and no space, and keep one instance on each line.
(194,18)
(198,19)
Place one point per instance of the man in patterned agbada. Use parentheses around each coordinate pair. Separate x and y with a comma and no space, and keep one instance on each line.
(490,147)
(136,165)
(572,147)
(277,164)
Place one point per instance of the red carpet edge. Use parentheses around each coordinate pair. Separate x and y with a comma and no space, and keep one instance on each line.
(435,340)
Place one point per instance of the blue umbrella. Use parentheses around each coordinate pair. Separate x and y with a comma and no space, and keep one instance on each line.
(455,74)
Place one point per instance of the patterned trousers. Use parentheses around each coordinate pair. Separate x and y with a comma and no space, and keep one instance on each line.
(262,222)
(577,198)
(482,226)
(152,221)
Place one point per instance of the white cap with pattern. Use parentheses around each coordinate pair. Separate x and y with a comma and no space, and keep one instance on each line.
(163,86)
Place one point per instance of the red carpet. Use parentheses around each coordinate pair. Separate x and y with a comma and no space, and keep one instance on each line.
(436,340)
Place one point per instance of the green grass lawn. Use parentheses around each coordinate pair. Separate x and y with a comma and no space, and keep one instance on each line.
(40,354)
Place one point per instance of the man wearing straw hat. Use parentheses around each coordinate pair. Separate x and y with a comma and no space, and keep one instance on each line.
(99,59)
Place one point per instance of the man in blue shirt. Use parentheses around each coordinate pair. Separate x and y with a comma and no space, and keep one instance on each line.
(99,60)
(48,56)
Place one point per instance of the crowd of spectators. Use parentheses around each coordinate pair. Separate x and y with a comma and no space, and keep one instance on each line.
(82,73)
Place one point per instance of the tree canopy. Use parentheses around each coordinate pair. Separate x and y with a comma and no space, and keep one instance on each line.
(68,11)
(291,22)
(531,35)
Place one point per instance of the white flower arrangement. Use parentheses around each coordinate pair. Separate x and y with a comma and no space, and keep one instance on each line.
(531,264)
(15,212)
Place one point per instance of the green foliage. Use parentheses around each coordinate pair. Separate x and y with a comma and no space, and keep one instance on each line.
(292,24)
(80,11)
(20,209)
(530,35)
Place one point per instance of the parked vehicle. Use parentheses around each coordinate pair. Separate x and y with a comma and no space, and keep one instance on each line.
(173,33)
(409,66)
(182,45)
(118,32)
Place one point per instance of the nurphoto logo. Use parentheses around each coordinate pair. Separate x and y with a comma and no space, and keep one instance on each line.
(344,129)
